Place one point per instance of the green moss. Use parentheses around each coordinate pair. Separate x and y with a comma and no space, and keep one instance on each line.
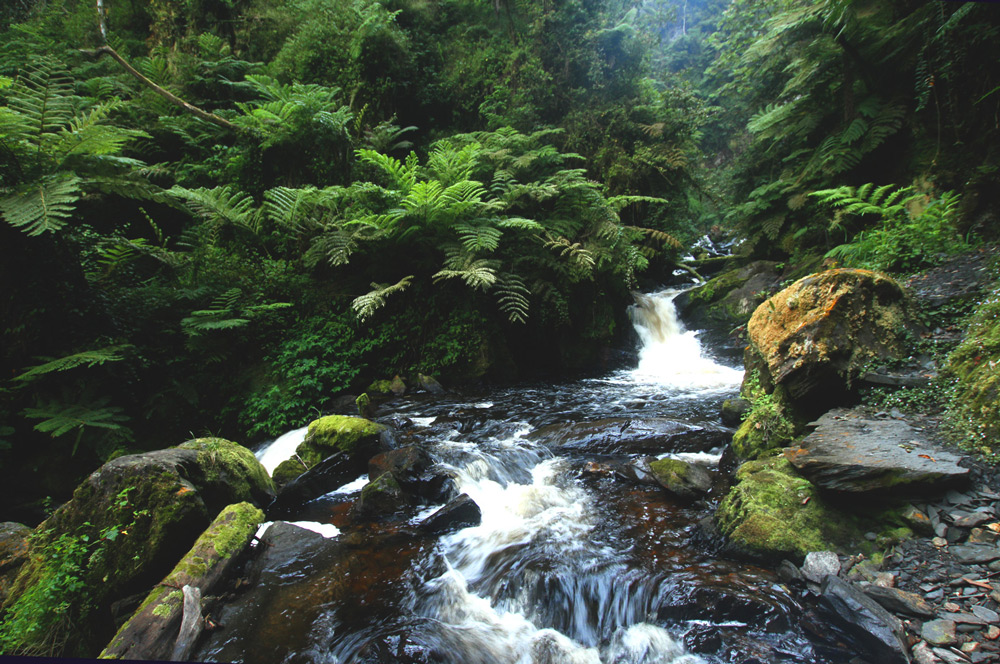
(168,604)
(381,484)
(336,433)
(769,426)
(974,410)
(669,471)
(380,387)
(233,464)
(287,470)
(240,519)
(773,512)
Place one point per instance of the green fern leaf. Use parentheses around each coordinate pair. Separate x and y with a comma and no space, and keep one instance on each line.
(512,296)
(87,358)
(44,206)
(366,305)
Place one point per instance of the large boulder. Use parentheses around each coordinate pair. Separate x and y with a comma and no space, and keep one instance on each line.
(355,437)
(814,337)
(771,513)
(124,528)
(414,470)
(850,453)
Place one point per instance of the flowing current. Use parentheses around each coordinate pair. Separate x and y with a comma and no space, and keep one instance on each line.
(579,557)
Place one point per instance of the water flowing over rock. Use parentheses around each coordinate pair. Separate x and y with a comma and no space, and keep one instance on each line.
(631,436)
(355,437)
(814,336)
(850,453)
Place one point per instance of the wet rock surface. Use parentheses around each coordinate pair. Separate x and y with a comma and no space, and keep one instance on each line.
(850,452)
(631,436)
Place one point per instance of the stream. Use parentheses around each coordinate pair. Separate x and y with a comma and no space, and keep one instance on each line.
(575,560)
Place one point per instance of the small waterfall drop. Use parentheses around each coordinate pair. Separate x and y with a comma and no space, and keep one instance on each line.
(670,354)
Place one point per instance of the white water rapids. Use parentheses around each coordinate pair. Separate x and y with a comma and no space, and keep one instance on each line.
(533,583)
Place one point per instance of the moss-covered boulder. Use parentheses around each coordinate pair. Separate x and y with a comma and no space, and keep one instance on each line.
(354,437)
(151,632)
(124,528)
(381,497)
(726,301)
(815,336)
(975,366)
(684,480)
(772,513)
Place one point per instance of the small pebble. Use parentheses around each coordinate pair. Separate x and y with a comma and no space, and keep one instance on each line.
(940,541)
(951,607)
(992,633)
(989,615)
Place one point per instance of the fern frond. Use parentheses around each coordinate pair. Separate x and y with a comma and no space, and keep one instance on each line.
(220,204)
(520,223)
(44,95)
(366,305)
(480,237)
(660,236)
(59,419)
(87,358)
(44,206)
(512,296)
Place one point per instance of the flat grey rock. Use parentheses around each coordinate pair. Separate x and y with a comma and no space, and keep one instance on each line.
(971,554)
(938,632)
(850,453)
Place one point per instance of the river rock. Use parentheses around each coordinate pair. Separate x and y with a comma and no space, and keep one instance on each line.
(938,632)
(429,384)
(681,479)
(381,497)
(140,513)
(628,436)
(900,601)
(814,336)
(878,632)
(772,512)
(414,471)
(13,553)
(733,411)
(848,452)
(355,437)
(152,631)
(461,512)
(917,521)
(975,553)
(332,472)
(820,564)
(296,577)
(727,300)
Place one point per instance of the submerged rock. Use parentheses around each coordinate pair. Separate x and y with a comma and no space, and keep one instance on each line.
(848,452)
(355,437)
(771,512)
(681,479)
(135,517)
(152,631)
(814,336)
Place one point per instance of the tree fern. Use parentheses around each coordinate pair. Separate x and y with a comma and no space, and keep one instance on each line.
(478,237)
(43,95)
(366,305)
(219,205)
(477,273)
(44,206)
(58,419)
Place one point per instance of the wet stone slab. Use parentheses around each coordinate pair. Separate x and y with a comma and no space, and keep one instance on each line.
(849,452)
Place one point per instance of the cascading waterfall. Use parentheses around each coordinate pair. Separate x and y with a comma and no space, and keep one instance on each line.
(561,569)
(669,353)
